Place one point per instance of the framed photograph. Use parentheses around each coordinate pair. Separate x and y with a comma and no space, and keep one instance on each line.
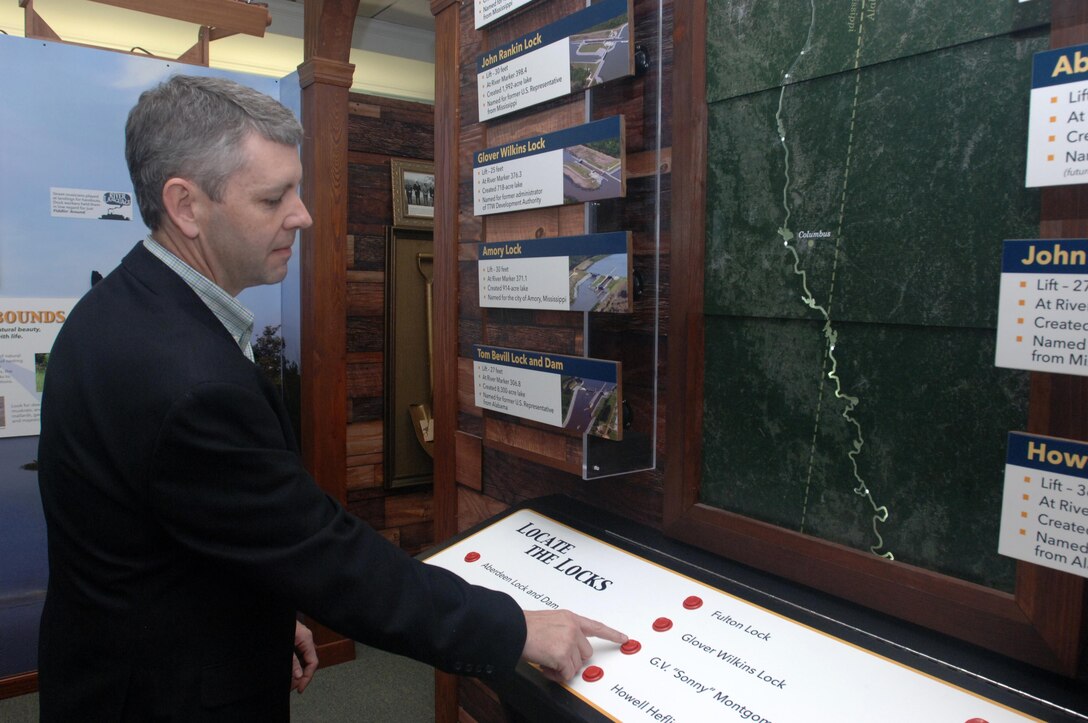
(413,193)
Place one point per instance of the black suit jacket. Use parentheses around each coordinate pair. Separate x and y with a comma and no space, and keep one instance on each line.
(184,534)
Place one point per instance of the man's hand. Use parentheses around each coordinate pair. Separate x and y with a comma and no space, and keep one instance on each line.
(556,640)
(303,672)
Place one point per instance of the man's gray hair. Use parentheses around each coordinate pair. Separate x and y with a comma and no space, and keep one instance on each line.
(193,127)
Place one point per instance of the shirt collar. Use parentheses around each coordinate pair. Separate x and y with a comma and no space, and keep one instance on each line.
(237,319)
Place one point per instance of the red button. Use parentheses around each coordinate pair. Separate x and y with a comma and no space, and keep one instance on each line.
(472,557)
(631,647)
(662,624)
(693,603)
(977,720)
(592,674)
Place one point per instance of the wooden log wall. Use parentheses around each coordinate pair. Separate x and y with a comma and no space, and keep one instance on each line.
(500,460)
(492,461)
(378,129)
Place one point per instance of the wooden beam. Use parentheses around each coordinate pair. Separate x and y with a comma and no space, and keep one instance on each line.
(447,211)
(200,53)
(229,15)
(20,684)
(33,25)
(447,139)
(326,78)
(684,383)
(329,27)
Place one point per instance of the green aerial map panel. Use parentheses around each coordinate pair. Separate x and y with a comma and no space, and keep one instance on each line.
(854,229)
(753,44)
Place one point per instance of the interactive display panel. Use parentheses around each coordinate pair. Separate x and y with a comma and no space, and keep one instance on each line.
(698,652)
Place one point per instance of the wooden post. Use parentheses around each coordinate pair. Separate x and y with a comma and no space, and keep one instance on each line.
(447,207)
(325,77)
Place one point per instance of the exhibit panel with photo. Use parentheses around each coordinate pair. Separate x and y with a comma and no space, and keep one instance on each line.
(67,218)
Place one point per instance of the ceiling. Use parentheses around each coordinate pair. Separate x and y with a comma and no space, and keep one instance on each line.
(412,13)
(392,41)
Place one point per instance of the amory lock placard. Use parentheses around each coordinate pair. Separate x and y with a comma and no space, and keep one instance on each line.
(570,273)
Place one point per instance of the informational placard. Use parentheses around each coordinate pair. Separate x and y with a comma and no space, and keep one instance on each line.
(1042,320)
(578,394)
(574,165)
(28,328)
(490,10)
(1044,511)
(1058,122)
(582,50)
(90,204)
(570,273)
(697,653)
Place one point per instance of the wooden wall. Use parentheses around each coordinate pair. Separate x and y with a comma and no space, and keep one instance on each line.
(501,460)
(378,129)
(486,461)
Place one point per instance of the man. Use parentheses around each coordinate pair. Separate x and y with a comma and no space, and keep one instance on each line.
(184,534)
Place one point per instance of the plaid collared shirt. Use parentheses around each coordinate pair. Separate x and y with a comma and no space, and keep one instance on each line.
(237,319)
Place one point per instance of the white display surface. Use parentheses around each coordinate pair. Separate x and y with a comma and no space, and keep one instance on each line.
(524,81)
(703,655)
(524,393)
(526,182)
(1044,509)
(1042,321)
(1058,119)
(517,283)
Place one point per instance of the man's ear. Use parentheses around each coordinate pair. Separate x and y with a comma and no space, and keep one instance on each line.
(180,198)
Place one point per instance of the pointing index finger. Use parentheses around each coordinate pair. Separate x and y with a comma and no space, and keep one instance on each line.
(595,629)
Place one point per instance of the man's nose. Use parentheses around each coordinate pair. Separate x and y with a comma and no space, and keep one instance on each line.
(301,217)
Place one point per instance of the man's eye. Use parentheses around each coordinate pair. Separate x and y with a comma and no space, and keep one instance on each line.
(273,201)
